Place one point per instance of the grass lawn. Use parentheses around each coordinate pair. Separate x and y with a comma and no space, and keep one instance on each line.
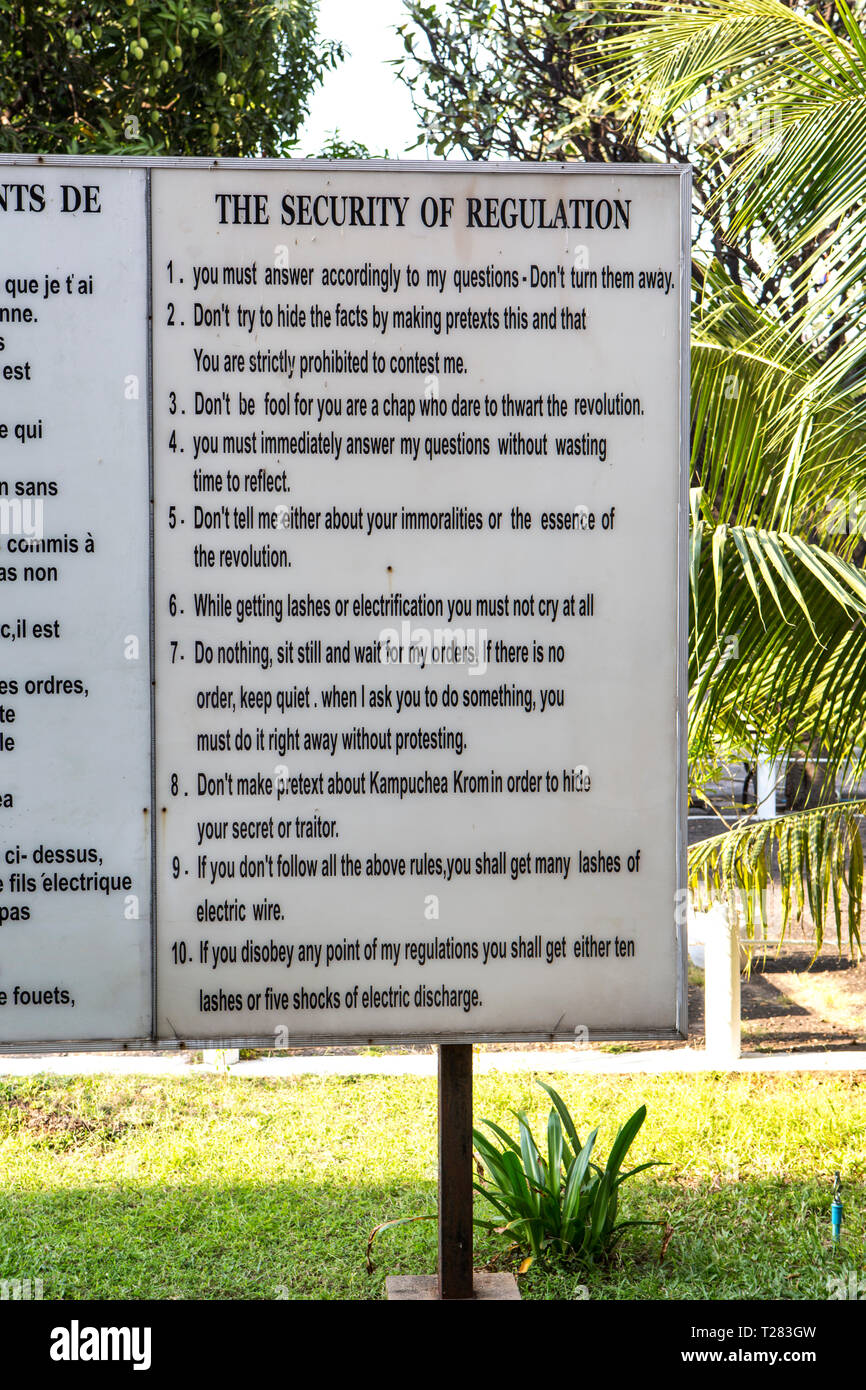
(219,1187)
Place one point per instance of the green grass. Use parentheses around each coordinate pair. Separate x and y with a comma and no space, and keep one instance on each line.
(220,1187)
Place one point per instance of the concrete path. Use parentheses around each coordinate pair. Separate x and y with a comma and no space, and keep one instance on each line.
(424,1064)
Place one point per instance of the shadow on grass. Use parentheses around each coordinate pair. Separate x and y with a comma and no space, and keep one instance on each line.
(760,1239)
(764,999)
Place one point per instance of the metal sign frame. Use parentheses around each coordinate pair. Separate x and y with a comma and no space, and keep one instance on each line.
(431,169)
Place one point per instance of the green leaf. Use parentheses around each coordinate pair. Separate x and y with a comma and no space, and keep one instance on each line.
(564,1115)
(623,1142)
(554,1154)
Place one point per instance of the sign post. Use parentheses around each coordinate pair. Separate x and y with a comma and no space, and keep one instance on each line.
(456,1279)
(455,1171)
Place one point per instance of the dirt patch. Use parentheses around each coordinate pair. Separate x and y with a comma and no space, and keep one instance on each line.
(59,1129)
(790,1005)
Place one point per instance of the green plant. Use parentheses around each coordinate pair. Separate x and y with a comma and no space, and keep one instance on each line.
(566,1205)
(159,77)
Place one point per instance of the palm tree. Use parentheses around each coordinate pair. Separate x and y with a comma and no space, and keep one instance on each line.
(776,93)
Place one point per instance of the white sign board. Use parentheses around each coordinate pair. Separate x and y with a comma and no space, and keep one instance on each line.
(418,611)
(75,783)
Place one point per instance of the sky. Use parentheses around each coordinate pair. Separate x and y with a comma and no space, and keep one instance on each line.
(362,98)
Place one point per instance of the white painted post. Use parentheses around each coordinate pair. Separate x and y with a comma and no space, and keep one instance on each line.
(722,984)
(220,1058)
(765,790)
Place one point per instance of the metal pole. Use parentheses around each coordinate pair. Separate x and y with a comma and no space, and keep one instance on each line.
(455,1171)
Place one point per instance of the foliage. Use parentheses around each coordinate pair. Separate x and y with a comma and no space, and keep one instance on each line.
(157,77)
(820,856)
(531,79)
(337,146)
(495,79)
(564,1205)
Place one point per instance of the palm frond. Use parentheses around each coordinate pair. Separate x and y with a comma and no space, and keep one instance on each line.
(772,445)
(790,165)
(778,649)
(820,855)
(803,87)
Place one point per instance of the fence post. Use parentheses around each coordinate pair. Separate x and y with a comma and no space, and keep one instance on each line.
(722,984)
